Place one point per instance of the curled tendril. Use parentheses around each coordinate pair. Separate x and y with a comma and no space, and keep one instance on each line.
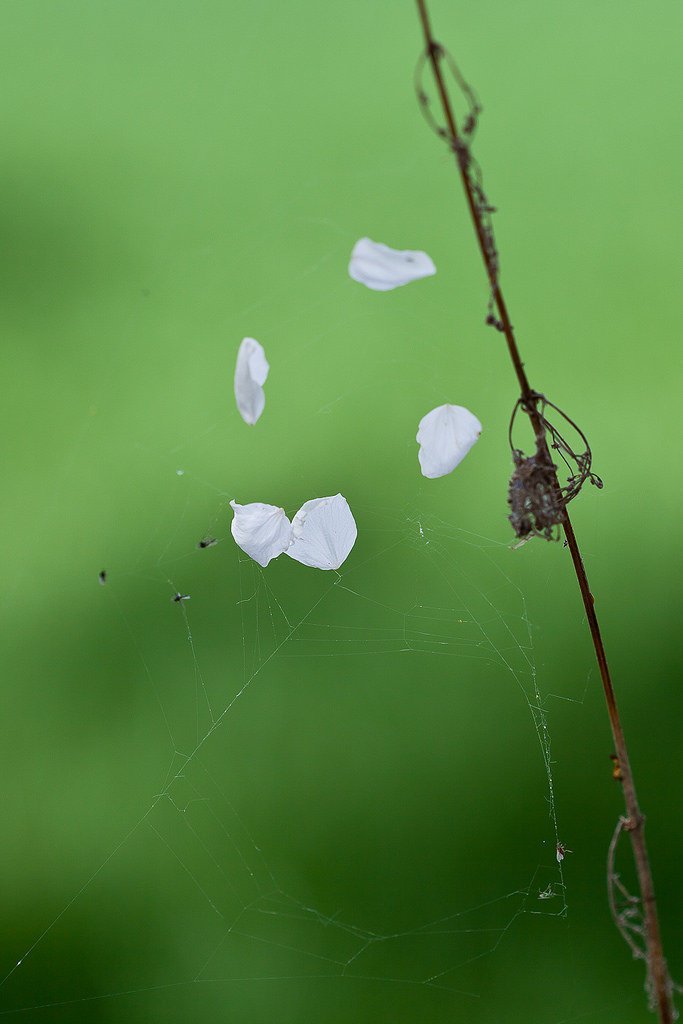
(536,498)
(474,107)
(461,147)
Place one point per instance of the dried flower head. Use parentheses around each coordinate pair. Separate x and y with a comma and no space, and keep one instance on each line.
(536,498)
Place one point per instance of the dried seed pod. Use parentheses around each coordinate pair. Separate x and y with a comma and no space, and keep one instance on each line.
(535,500)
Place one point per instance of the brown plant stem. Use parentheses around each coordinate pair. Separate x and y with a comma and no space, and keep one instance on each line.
(658,980)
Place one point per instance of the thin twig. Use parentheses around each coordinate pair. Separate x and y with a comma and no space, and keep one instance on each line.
(658,975)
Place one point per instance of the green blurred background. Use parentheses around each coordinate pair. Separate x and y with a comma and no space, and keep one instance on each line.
(372,811)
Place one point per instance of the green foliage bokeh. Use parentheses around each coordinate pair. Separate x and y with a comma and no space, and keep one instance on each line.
(178,175)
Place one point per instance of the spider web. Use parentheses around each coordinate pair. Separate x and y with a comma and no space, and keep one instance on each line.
(296,795)
(322,766)
(242,646)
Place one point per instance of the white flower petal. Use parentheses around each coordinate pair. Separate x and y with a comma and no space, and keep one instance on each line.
(262,531)
(250,376)
(323,533)
(381,268)
(445,436)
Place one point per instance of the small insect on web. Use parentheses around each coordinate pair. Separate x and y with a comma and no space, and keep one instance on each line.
(561,852)
(179,598)
(207,542)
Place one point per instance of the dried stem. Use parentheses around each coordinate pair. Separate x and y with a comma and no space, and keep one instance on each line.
(658,981)
(625,908)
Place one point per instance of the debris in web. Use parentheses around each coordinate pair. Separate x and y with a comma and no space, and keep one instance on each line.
(323,533)
(446,435)
(262,531)
(251,373)
(382,269)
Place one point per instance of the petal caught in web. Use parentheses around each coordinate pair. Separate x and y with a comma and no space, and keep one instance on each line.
(323,533)
(445,436)
(381,268)
(262,531)
(250,376)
